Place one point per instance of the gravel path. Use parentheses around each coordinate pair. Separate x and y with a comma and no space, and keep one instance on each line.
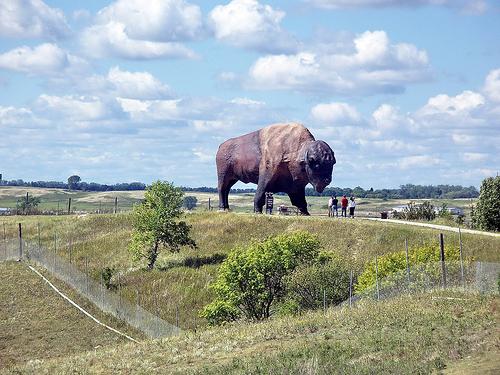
(435,226)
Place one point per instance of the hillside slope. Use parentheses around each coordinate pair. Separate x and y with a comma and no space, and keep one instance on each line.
(407,335)
(36,323)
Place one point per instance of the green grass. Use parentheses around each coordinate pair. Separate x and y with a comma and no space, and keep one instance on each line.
(408,335)
(36,323)
(166,291)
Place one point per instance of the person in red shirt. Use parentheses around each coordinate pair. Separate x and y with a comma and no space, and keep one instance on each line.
(344,202)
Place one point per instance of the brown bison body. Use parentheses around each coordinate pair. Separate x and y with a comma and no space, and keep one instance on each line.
(278,158)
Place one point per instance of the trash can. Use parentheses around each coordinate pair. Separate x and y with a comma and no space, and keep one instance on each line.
(383,215)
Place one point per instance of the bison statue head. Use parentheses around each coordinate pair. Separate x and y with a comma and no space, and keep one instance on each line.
(319,160)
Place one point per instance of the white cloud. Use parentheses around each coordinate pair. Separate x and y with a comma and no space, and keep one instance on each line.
(459,105)
(129,29)
(45,59)
(336,114)
(492,85)
(31,19)
(139,85)
(13,116)
(374,65)
(250,24)
(474,156)
(471,6)
(111,40)
(418,161)
(158,20)
(78,108)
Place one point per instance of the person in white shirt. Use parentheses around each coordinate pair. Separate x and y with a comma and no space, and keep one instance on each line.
(352,206)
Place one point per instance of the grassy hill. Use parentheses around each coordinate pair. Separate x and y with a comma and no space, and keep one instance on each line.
(36,323)
(421,334)
(180,283)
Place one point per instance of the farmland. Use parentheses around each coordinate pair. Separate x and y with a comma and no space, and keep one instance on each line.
(57,200)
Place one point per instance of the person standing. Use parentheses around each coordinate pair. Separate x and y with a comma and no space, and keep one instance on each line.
(352,206)
(343,203)
(330,203)
(335,207)
(269,203)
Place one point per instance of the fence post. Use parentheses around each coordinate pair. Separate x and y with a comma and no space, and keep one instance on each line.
(407,262)
(5,240)
(39,238)
(116,205)
(69,206)
(209,206)
(376,278)
(350,290)
(20,242)
(87,274)
(70,249)
(461,258)
(55,250)
(443,267)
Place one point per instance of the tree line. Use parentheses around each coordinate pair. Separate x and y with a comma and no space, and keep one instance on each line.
(408,191)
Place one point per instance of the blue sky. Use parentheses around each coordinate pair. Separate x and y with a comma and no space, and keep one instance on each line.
(403,91)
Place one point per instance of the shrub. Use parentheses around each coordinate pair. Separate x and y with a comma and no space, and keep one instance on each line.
(190,202)
(251,279)
(486,214)
(393,263)
(106,276)
(307,285)
(413,211)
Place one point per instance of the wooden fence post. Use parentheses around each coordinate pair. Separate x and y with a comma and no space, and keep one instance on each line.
(443,267)
(69,206)
(407,262)
(461,257)
(116,205)
(20,242)
(350,290)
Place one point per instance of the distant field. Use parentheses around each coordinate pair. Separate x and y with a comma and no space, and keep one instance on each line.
(36,323)
(57,199)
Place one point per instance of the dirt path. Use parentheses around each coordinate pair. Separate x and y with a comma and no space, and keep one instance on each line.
(435,226)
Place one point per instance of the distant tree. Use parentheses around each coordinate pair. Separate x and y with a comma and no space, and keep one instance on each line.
(73,182)
(190,202)
(486,214)
(157,225)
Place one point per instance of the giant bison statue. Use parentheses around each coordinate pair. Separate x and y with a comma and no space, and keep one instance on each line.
(278,158)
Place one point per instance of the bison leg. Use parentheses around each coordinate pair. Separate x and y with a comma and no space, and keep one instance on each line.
(224,188)
(260,195)
(298,199)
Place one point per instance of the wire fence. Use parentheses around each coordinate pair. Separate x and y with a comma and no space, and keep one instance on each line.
(479,277)
(106,300)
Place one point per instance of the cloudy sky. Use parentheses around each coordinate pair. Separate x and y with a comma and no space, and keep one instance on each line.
(404,91)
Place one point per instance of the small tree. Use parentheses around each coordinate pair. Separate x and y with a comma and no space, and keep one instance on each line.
(156,223)
(251,279)
(73,182)
(486,214)
(190,202)
(28,205)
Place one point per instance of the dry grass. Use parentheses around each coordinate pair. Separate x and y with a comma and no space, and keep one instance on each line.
(408,335)
(36,323)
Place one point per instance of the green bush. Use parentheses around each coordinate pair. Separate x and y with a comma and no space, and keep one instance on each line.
(251,280)
(393,263)
(308,285)
(413,211)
